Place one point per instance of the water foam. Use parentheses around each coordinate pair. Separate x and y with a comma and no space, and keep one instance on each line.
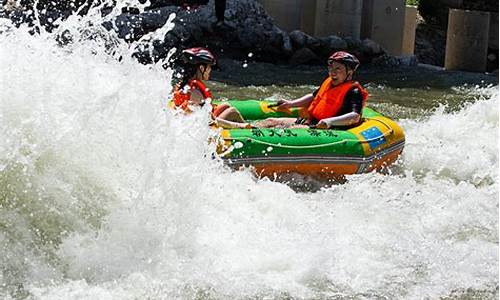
(107,195)
(462,145)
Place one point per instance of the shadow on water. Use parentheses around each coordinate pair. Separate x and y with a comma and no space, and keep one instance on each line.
(306,184)
(261,74)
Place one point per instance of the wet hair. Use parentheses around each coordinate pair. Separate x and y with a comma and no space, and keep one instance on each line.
(184,72)
(187,73)
(187,62)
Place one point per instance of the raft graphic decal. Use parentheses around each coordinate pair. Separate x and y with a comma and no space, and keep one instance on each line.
(314,132)
(257,132)
(373,136)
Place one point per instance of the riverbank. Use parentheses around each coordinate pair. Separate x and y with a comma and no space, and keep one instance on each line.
(258,73)
(153,29)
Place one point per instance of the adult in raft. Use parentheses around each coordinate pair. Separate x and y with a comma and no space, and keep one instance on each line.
(192,92)
(338,102)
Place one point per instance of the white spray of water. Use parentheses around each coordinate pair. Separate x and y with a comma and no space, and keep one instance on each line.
(464,147)
(105,194)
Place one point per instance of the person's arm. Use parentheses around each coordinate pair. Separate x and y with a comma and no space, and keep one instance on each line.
(230,124)
(343,120)
(353,107)
(299,102)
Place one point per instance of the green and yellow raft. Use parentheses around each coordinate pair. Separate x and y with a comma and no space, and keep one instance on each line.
(321,153)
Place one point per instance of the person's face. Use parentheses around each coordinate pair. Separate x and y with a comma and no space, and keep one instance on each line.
(204,72)
(338,72)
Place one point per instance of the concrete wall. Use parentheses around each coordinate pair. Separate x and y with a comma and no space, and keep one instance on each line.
(317,17)
(410,27)
(308,18)
(493,37)
(287,14)
(467,40)
(338,17)
(383,22)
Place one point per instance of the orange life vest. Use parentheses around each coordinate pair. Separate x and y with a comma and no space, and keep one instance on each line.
(329,99)
(181,97)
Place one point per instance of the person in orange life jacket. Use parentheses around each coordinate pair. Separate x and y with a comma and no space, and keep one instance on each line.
(192,91)
(337,102)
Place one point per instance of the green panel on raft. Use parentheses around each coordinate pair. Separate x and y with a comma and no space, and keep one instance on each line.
(293,142)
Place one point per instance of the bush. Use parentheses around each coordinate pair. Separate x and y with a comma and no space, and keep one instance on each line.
(433,12)
(412,2)
(436,11)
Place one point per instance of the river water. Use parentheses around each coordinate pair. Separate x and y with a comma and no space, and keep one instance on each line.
(104,194)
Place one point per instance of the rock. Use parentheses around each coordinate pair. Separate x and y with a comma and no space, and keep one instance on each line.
(276,37)
(313,43)
(129,27)
(287,45)
(271,54)
(371,48)
(247,28)
(303,56)
(385,61)
(329,45)
(132,27)
(395,61)
(158,3)
(407,60)
(335,43)
(230,14)
(153,20)
(231,25)
(354,45)
(195,31)
(298,39)
(170,40)
(248,39)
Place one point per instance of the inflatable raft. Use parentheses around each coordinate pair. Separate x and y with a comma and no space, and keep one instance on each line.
(320,153)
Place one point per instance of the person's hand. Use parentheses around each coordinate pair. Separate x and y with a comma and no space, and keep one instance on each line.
(284,104)
(321,125)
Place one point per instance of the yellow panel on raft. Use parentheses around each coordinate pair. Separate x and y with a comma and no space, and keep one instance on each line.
(392,133)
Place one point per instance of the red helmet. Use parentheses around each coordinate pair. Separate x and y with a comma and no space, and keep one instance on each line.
(198,56)
(344,58)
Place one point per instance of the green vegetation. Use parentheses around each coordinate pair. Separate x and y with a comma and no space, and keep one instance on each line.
(412,2)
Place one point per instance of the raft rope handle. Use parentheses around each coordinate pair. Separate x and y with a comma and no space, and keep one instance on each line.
(385,134)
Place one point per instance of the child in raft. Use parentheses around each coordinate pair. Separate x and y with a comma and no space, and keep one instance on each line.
(338,102)
(192,91)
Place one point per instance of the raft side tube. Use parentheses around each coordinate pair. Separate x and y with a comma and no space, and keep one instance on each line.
(375,143)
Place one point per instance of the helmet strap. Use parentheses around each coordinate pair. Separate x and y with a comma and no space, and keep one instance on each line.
(349,72)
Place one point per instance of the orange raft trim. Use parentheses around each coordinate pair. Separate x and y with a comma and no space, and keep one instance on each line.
(321,166)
